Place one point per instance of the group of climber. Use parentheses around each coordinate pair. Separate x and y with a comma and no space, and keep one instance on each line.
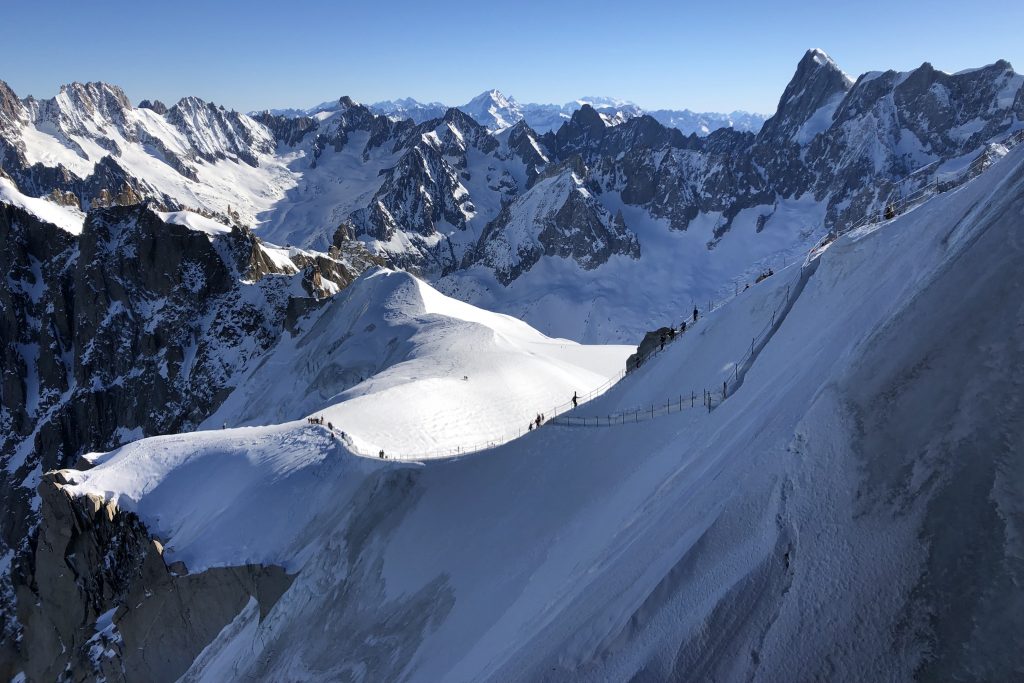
(670,335)
(762,277)
(320,421)
(536,422)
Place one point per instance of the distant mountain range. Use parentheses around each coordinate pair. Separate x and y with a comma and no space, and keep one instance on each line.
(497,111)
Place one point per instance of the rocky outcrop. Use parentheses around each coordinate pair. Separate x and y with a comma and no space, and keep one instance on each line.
(156,106)
(97,598)
(651,342)
(133,328)
(217,133)
(287,130)
(558,216)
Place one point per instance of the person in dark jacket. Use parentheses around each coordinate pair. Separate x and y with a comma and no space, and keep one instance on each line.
(574,399)
(695,313)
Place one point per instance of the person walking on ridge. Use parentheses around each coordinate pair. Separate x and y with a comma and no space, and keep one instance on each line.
(574,399)
(695,313)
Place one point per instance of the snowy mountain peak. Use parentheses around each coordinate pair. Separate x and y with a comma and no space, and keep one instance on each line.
(345,103)
(493,109)
(10,106)
(409,108)
(602,102)
(818,85)
(217,133)
(82,108)
(818,58)
(101,97)
(495,97)
(497,111)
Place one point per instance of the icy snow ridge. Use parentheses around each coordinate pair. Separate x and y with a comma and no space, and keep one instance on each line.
(398,366)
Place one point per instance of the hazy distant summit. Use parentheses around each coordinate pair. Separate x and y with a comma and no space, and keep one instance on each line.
(497,111)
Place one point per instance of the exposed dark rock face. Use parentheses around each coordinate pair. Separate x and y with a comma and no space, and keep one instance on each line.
(524,143)
(97,584)
(133,328)
(197,120)
(155,105)
(649,344)
(558,216)
(287,130)
(424,194)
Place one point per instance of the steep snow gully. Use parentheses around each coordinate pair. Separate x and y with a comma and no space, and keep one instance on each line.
(853,511)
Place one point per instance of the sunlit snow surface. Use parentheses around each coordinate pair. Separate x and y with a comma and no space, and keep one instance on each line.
(66,217)
(194,221)
(401,367)
(848,514)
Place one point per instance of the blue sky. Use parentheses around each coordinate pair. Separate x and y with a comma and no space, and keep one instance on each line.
(706,56)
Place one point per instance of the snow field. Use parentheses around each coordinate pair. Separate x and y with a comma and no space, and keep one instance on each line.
(400,367)
(672,548)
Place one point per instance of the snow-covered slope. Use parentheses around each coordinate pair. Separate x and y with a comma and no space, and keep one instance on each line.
(851,512)
(493,110)
(69,218)
(400,367)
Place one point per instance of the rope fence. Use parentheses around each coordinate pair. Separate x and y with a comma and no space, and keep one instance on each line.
(563,414)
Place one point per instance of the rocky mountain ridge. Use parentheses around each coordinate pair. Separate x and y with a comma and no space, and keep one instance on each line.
(423,195)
